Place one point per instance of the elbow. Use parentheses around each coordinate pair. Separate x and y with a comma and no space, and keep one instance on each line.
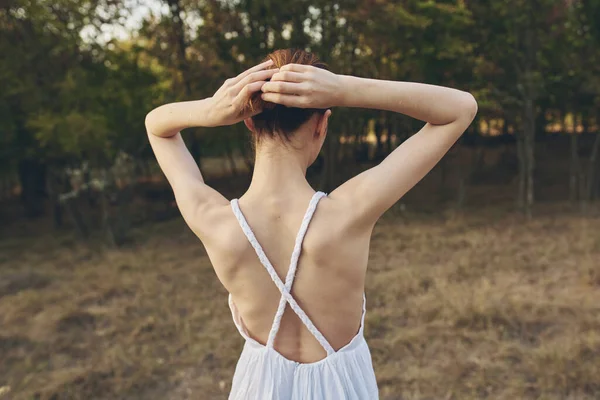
(153,127)
(469,107)
(158,123)
(149,121)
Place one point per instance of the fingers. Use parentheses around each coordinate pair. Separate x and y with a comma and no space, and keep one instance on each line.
(296,68)
(288,100)
(247,92)
(253,87)
(289,76)
(293,72)
(254,77)
(249,71)
(284,87)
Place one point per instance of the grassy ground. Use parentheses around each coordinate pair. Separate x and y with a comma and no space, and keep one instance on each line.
(477,306)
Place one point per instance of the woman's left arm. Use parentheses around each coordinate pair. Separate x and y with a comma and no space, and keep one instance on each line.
(225,107)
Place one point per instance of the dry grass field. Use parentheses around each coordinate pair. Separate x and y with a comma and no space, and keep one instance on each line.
(477,306)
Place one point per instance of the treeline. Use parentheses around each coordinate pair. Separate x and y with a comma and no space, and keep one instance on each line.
(72,97)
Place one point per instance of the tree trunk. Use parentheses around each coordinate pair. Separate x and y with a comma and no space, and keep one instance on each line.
(592,175)
(390,131)
(574,167)
(379,136)
(596,185)
(181,45)
(585,121)
(55,185)
(462,186)
(6,188)
(443,174)
(183,66)
(541,122)
(361,148)
(32,178)
(522,170)
(89,193)
(106,225)
(122,221)
(70,205)
(527,66)
(57,214)
(529,154)
(116,218)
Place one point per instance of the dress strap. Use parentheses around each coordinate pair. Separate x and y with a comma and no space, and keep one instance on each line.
(364,312)
(291,274)
(283,288)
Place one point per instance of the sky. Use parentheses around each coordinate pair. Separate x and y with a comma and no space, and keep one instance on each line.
(140,10)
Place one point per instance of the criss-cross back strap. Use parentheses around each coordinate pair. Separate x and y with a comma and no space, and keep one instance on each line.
(285,288)
(291,274)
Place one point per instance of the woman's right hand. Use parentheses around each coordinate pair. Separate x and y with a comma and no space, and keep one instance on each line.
(304,86)
(228,105)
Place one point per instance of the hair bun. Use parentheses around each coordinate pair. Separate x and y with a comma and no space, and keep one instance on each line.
(276,119)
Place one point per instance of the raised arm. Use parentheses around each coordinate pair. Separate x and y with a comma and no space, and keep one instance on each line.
(225,107)
(447,113)
(163,125)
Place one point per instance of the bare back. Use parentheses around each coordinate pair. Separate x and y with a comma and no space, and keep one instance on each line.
(331,272)
(329,282)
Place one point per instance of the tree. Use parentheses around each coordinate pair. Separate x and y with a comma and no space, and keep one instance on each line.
(44,41)
(515,44)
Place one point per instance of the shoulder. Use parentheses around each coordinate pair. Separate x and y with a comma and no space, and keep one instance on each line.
(344,214)
(222,237)
(213,221)
(335,240)
(336,225)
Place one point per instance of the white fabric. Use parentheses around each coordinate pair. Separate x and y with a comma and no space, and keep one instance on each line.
(263,373)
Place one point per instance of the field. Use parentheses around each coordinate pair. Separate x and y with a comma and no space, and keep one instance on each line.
(472,304)
(484,306)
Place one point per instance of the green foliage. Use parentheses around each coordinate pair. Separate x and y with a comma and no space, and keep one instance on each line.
(69,95)
(74,135)
(69,99)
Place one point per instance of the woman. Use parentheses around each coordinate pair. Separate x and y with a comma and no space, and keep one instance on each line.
(315,348)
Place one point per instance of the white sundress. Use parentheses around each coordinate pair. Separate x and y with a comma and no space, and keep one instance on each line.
(262,373)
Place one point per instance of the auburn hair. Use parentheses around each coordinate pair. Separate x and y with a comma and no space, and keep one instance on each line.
(277,120)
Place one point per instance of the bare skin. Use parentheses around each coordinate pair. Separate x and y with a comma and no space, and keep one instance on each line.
(331,274)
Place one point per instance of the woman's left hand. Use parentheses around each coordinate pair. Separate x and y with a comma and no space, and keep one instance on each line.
(304,86)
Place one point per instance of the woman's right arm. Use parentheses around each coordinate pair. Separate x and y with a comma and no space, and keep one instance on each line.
(226,107)
(447,113)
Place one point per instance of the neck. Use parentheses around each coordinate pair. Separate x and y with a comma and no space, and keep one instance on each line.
(279,170)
